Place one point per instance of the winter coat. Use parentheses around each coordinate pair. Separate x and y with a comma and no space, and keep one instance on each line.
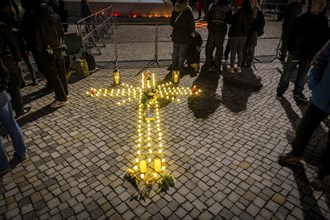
(319,79)
(242,22)
(259,23)
(219,16)
(184,25)
(308,33)
(291,11)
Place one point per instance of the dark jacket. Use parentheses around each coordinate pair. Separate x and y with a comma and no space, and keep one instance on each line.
(291,11)
(259,23)
(219,16)
(319,79)
(85,9)
(308,33)
(38,37)
(8,44)
(242,22)
(184,25)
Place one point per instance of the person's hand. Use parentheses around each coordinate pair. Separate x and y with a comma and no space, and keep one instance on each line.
(18,64)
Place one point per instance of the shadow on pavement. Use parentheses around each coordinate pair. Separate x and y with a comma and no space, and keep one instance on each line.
(35,115)
(207,102)
(308,201)
(238,87)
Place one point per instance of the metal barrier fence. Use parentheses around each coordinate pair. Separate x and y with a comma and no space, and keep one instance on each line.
(150,43)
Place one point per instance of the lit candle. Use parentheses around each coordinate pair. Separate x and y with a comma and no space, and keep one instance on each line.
(153,80)
(158,165)
(143,166)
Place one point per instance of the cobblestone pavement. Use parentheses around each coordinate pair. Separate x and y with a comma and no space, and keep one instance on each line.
(221,147)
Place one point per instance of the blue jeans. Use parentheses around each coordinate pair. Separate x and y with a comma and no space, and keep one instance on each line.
(293,60)
(179,55)
(9,123)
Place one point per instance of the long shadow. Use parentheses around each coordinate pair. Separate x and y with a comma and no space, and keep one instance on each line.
(30,117)
(207,102)
(308,201)
(304,187)
(34,96)
(238,87)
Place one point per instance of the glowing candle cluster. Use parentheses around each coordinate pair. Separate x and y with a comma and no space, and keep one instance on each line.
(149,156)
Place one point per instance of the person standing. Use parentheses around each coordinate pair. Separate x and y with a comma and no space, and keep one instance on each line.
(242,22)
(308,33)
(256,31)
(6,116)
(220,15)
(182,21)
(291,11)
(317,110)
(43,33)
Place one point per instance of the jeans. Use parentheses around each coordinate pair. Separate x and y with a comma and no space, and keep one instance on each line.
(9,123)
(308,124)
(294,59)
(179,56)
(236,46)
(214,40)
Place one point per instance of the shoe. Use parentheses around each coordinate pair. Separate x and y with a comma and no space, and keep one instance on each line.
(34,83)
(17,160)
(299,97)
(279,96)
(22,112)
(57,104)
(231,70)
(289,158)
(3,171)
(317,183)
(238,69)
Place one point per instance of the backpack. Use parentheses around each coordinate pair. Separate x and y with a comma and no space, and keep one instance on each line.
(49,31)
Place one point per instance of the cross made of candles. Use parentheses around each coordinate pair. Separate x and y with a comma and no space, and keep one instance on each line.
(149,163)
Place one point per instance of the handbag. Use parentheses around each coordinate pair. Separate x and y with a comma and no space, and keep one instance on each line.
(176,19)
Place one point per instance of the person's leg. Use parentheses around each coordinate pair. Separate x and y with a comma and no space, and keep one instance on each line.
(233,44)
(209,51)
(182,56)
(60,64)
(250,45)
(30,68)
(9,123)
(220,38)
(14,86)
(304,66)
(240,49)
(287,72)
(284,45)
(308,124)
(324,165)
(175,56)
(53,78)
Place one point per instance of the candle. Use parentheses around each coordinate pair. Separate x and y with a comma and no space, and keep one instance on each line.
(143,166)
(158,165)
(153,80)
(194,89)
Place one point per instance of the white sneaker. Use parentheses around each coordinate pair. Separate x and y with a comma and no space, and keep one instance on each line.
(57,104)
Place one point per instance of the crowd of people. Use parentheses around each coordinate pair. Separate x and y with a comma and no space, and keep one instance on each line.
(303,35)
(39,31)
(305,43)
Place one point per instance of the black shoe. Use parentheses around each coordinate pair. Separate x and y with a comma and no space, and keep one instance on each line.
(279,96)
(299,97)
(23,111)
(17,160)
(34,83)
